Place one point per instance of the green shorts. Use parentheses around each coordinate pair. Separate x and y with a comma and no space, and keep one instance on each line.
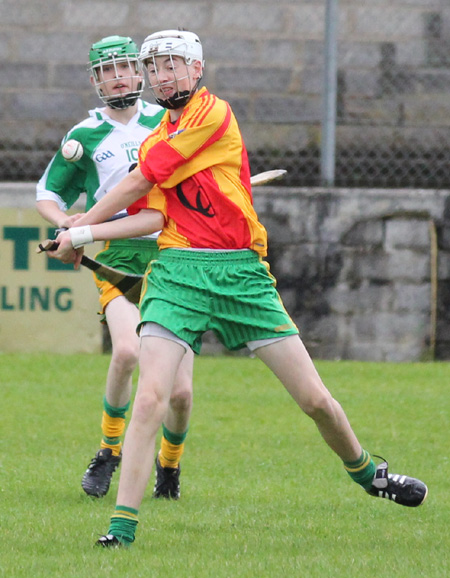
(129,255)
(231,293)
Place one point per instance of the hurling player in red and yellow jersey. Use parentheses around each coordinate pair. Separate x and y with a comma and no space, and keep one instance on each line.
(193,182)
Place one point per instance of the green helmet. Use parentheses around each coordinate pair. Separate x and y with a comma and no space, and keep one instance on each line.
(113,50)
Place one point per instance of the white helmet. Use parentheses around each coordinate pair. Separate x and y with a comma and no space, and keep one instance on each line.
(171,43)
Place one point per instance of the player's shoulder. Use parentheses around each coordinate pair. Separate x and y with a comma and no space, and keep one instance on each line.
(208,106)
(150,115)
(88,126)
(149,109)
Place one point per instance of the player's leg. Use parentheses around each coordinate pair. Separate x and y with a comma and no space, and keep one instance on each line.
(175,427)
(258,316)
(158,364)
(291,363)
(122,318)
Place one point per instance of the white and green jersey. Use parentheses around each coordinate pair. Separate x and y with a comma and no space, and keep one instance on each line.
(110,152)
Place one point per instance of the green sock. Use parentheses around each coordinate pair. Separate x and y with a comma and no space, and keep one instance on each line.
(362,470)
(115,411)
(123,524)
(174,438)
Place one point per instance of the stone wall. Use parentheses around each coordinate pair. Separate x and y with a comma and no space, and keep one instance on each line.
(354,268)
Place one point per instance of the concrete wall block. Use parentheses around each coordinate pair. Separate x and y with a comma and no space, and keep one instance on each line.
(321,333)
(367,298)
(361,84)
(411,52)
(279,52)
(313,54)
(298,262)
(287,110)
(71,76)
(21,132)
(435,108)
(47,106)
(411,298)
(69,46)
(363,352)
(14,13)
(245,51)
(410,233)
(393,23)
(259,135)
(390,352)
(238,17)
(278,226)
(23,76)
(443,265)
(289,298)
(356,54)
(110,13)
(432,81)
(6,51)
(147,17)
(308,20)
(390,327)
(312,81)
(289,215)
(368,234)
(401,264)
(444,234)
(242,108)
(251,79)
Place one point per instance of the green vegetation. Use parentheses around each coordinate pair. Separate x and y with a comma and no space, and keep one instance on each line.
(262,495)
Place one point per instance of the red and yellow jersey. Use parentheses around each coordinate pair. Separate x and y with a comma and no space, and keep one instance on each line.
(202,180)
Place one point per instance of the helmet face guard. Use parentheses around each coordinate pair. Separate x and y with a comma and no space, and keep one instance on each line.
(183,44)
(120,53)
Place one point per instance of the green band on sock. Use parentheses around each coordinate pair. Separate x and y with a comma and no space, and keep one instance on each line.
(123,524)
(362,470)
(174,438)
(131,511)
(115,411)
(111,441)
(359,463)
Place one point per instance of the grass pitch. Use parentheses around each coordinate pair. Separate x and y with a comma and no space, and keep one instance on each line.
(262,495)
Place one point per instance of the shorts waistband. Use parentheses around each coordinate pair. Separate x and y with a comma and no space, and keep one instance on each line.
(132,243)
(244,255)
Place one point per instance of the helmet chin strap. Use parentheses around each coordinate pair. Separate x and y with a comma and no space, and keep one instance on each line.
(122,102)
(179,99)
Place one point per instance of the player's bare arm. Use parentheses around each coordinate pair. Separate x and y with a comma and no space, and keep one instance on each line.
(71,242)
(130,189)
(51,212)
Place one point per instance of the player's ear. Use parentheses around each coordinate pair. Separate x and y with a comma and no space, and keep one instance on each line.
(197,69)
(92,81)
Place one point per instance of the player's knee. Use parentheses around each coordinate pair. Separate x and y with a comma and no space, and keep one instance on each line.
(126,354)
(149,407)
(181,400)
(319,406)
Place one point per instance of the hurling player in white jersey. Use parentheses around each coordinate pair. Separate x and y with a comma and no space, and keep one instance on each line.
(110,138)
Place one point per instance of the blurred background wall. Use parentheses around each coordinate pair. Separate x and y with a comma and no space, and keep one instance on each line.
(267,59)
(362,259)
